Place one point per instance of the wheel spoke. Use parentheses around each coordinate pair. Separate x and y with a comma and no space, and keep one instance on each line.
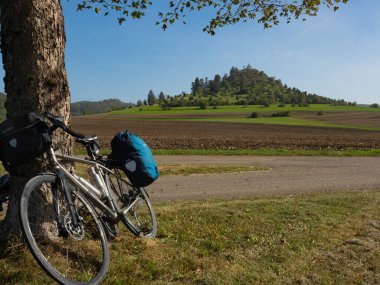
(137,212)
(70,254)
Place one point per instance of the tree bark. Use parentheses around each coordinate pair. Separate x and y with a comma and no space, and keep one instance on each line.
(32,46)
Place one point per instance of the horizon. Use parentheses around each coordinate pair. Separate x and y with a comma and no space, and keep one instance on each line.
(335,55)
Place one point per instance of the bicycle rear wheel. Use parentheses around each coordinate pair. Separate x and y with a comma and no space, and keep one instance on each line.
(70,253)
(138,213)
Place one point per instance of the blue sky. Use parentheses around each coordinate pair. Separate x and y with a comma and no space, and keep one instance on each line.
(334,54)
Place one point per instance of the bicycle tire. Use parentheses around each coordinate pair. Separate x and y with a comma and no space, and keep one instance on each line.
(70,255)
(140,218)
(142,223)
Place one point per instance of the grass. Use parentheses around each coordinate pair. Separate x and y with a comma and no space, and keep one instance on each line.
(185,170)
(157,110)
(310,239)
(156,113)
(290,121)
(205,169)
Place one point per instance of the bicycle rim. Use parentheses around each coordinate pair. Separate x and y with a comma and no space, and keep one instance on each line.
(69,254)
(138,214)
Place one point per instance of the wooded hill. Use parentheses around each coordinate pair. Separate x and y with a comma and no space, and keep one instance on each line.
(247,86)
(80,108)
(89,107)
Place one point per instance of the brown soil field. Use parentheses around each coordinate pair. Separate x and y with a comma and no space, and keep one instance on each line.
(206,135)
(367,119)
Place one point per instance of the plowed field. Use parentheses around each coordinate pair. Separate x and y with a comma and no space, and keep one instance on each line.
(367,119)
(204,135)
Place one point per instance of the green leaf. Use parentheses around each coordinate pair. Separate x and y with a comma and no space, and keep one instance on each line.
(121,20)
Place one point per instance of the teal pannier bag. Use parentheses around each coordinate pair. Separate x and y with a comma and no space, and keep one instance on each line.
(133,156)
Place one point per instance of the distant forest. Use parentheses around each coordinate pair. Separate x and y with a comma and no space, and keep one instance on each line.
(80,108)
(89,107)
(246,86)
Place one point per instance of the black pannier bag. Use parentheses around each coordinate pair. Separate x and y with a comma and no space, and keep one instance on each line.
(133,156)
(22,138)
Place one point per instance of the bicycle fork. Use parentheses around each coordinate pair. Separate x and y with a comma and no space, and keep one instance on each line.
(62,230)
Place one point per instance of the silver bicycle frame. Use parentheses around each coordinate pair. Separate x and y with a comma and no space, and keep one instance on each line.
(92,193)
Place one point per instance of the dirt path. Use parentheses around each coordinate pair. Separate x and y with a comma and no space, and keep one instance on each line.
(288,175)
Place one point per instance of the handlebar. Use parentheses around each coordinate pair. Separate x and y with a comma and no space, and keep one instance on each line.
(58,123)
(90,142)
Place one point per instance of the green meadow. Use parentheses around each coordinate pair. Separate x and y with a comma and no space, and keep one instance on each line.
(306,239)
(157,110)
(241,114)
(289,121)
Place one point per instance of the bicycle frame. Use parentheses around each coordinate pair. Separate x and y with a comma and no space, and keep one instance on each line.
(79,215)
(83,185)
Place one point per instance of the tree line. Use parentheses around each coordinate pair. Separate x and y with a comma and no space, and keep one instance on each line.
(80,108)
(89,107)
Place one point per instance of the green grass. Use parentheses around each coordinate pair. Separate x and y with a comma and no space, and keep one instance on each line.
(156,113)
(185,170)
(157,110)
(309,239)
(205,169)
(290,121)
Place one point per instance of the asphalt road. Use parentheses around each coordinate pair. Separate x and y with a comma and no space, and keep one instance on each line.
(287,175)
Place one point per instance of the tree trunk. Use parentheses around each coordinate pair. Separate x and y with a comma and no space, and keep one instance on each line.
(32,46)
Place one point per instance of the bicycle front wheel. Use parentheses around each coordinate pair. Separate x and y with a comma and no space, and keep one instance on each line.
(70,252)
(134,203)
(138,214)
